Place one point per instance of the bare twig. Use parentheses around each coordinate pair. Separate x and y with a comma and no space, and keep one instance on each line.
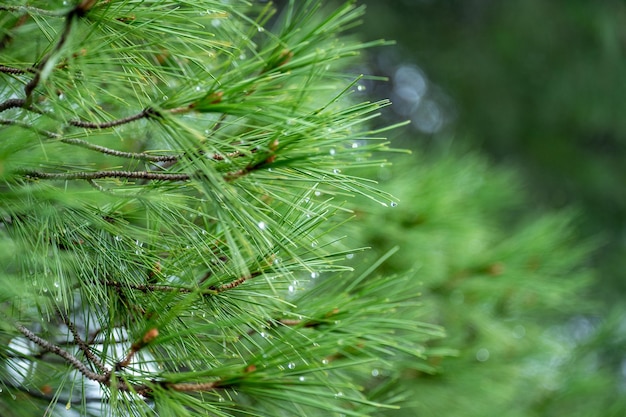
(71,359)
(83,345)
(121,154)
(11,70)
(145,113)
(12,103)
(85,175)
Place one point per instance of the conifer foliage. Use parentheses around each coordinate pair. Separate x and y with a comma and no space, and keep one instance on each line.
(172,179)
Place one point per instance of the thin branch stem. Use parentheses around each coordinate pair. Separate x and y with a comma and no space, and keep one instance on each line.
(83,345)
(121,154)
(12,103)
(145,113)
(83,175)
(11,70)
(194,386)
(71,359)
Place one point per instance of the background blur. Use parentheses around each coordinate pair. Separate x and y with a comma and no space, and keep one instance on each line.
(537,87)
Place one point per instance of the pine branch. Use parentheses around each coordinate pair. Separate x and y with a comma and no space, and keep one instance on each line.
(143,175)
(71,359)
(82,345)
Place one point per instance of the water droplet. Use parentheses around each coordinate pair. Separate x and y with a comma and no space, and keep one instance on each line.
(261,225)
(277,261)
(336,171)
(314,243)
(260,29)
(301,379)
(118,238)
(198,88)
(291,365)
(339,394)
(349,255)
(355,145)
(314,275)
(165,98)
(242,57)
(56,284)
(332,151)
(393,204)
(375,372)
(318,193)
(220,399)
(216,23)
(361,87)
(324,361)
(482,355)
(263,334)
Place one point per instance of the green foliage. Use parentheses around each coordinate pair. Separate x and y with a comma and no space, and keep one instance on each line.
(172,203)
(501,280)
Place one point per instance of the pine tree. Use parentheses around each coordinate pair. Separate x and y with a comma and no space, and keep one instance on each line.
(174,178)
(504,278)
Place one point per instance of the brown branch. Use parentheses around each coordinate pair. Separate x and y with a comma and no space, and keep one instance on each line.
(145,113)
(83,345)
(121,154)
(11,70)
(12,103)
(83,175)
(235,283)
(71,359)
(193,386)
(34,82)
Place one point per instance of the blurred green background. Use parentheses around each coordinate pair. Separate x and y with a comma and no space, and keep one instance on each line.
(538,89)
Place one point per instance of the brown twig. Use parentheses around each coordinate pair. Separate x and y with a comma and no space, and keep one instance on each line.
(145,113)
(83,345)
(84,175)
(71,359)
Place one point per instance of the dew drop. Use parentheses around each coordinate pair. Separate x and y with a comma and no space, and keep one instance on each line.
(314,275)
(292,289)
(339,394)
(361,87)
(261,225)
(118,238)
(350,256)
(291,365)
(393,204)
(277,261)
(355,145)
(314,244)
(375,372)
(482,355)
(301,379)
(324,361)
(56,284)
(263,334)
(165,98)
(318,193)
(332,151)
(260,29)
(198,88)
(336,171)
(216,23)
